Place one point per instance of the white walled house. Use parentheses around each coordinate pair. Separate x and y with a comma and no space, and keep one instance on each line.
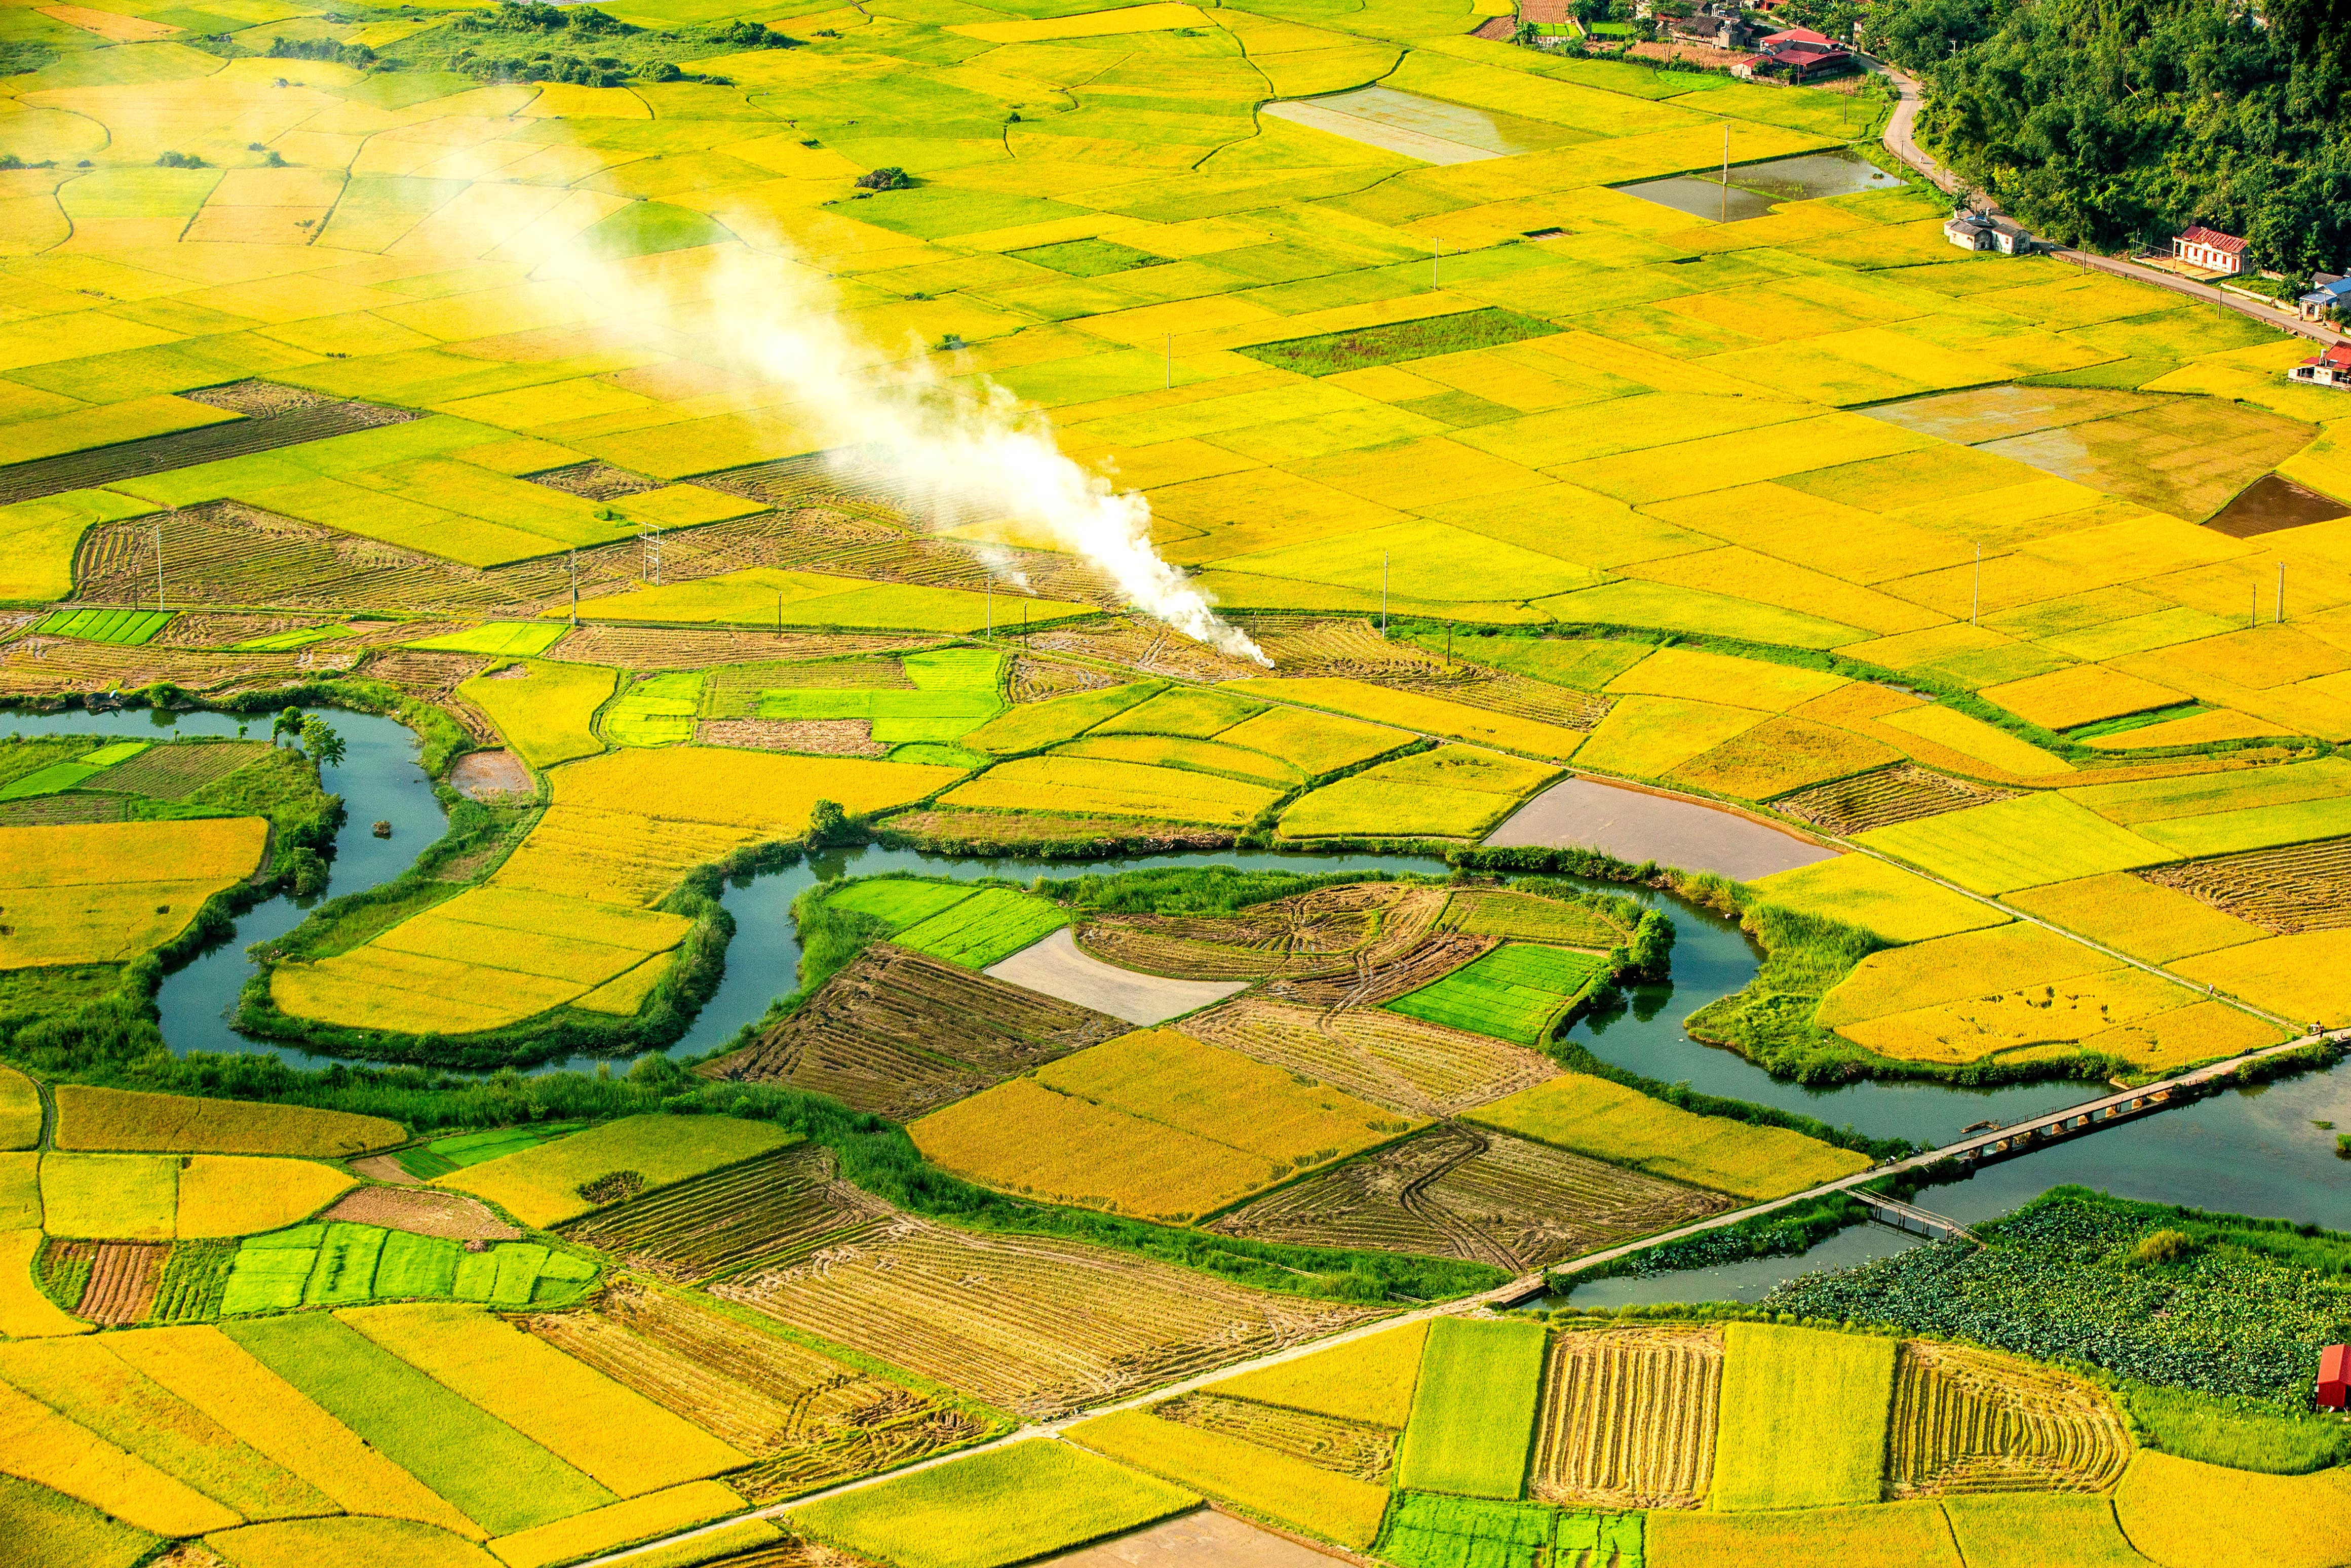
(2209,249)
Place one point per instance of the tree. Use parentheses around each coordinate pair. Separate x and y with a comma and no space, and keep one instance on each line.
(888,179)
(828,823)
(326,747)
(287,722)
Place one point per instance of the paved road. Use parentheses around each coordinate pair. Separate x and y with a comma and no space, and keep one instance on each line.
(1516,1289)
(1900,140)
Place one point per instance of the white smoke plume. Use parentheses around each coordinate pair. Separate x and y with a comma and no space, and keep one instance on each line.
(966,449)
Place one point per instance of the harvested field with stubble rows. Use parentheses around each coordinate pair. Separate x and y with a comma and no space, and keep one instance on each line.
(1628,1417)
(771,1213)
(809,1420)
(1967,1421)
(1457,1191)
(1424,1068)
(899,1033)
(1034,1325)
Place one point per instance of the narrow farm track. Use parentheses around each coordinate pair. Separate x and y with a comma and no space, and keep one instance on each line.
(2031,1132)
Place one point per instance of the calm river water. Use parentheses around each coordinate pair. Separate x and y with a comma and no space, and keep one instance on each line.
(2255,1151)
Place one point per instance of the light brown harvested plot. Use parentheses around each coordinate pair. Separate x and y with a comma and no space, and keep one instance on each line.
(1900,794)
(1628,1417)
(122,1279)
(770,1213)
(1463,1192)
(1969,1420)
(1328,933)
(899,1033)
(1326,1442)
(1385,1057)
(811,1420)
(447,1214)
(2301,887)
(1034,1325)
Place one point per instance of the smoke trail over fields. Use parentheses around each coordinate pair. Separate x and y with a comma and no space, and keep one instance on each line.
(973,451)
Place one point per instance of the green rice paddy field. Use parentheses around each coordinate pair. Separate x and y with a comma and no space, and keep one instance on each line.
(728,433)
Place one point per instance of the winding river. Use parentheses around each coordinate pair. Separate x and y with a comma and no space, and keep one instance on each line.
(2265,1150)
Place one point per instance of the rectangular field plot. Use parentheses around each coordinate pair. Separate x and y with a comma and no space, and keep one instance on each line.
(1326,934)
(1032,1325)
(127,628)
(1315,1473)
(106,892)
(1154,1124)
(1803,1418)
(1628,1417)
(1875,1535)
(176,771)
(1097,787)
(1009,1506)
(1610,1121)
(343,1263)
(986,928)
(1481,1197)
(897,1033)
(1473,1414)
(498,1477)
(808,1420)
(950,693)
(1863,890)
(1424,1068)
(122,1197)
(1527,917)
(2022,843)
(1518,992)
(542,1186)
(89,1118)
(772,1212)
(1454,791)
(625,1441)
(1969,1420)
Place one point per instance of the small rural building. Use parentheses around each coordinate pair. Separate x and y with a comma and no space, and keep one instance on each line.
(1718,27)
(1988,231)
(1798,55)
(2335,1378)
(2210,249)
(2329,368)
(2327,292)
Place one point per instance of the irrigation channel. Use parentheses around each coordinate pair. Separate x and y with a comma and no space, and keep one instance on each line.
(2262,1150)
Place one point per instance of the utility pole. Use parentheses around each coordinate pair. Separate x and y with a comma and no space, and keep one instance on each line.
(1383,593)
(1976,612)
(652,541)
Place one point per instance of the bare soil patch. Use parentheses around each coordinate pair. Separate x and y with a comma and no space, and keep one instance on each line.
(424,1212)
(1204,1537)
(490,775)
(122,1279)
(1636,826)
(383,1167)
(1056,968)
(819,736)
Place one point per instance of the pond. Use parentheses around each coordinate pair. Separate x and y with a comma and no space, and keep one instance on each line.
(1754,188)
(2259,1151)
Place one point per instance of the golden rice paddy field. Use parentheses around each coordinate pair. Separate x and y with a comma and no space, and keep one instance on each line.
(754,432)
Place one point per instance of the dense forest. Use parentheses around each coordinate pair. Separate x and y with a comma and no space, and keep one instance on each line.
(2105,123)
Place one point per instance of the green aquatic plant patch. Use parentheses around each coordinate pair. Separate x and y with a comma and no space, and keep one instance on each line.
(2240,1432)
(1515,992)
(1327,353)
(2243,1308)
(1473,1411)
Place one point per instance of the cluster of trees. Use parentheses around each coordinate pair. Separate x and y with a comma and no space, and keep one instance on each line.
(2112,122)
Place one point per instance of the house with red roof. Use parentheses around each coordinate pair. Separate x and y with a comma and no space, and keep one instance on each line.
(2329,368)
(1797,54)
(2209,249)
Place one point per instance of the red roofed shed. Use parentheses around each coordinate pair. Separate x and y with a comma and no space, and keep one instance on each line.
(2335,1378)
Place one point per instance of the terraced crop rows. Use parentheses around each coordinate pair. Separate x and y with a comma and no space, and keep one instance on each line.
(1628,1418)
(122,1279)
(1970,1421)
(1348,646)
(1033,1325)
(176,772)
(2300,887)
(899,1033)
(1146,646)
(1036,680)
(1330,932)
(771,1213)
(63,665)
(812,1420)
(1903,793)
(1343,1448)
(1402,1063)
(1483,1196)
